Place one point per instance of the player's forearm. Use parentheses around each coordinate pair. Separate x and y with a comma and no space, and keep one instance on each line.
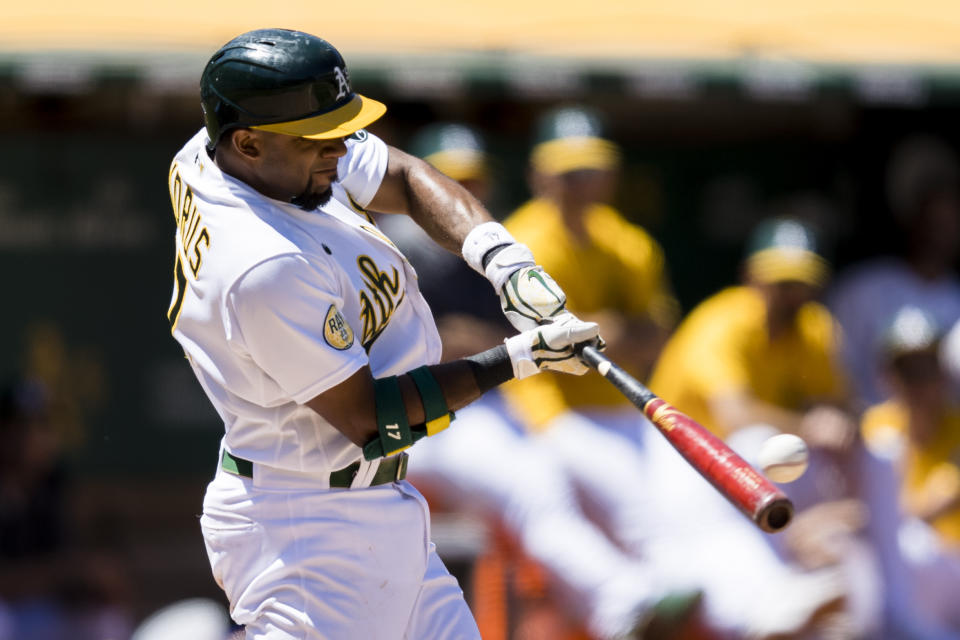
(350,407)
(462,382)
(443,208)
(455,378)
(465,380)
(386,415)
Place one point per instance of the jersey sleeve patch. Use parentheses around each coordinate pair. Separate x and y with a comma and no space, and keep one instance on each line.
(336,331)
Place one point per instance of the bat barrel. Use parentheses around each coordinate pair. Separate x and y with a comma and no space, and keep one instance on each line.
(733,477)
(745,487)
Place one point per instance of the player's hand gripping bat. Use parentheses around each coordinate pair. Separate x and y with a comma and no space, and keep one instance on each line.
(740,483)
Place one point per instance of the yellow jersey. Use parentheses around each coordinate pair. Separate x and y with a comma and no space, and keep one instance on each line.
(929,471)
(617,266)
(723,346)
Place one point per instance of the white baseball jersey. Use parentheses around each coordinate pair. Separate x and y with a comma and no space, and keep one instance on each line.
(274,305)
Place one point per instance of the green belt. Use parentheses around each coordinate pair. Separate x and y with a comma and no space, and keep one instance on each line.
(392,469)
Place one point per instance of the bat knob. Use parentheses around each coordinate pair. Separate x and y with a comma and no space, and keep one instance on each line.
(775,515)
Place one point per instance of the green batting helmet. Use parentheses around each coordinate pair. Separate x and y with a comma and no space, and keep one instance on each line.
(282,81)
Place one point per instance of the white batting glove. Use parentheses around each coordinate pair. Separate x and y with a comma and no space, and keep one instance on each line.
(528,295)
(550,346)
(531,296)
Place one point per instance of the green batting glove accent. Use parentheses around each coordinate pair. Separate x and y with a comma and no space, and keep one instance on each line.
(531,296)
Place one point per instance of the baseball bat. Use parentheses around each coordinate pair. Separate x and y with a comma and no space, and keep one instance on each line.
(730,474)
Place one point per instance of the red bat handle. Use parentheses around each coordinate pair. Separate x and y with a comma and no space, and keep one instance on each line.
(732,476)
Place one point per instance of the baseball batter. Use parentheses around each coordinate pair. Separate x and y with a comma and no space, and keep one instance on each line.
(305,327)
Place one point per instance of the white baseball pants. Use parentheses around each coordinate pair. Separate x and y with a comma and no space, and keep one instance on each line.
(337,564)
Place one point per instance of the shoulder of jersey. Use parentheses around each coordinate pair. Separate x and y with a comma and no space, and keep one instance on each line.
(243,232)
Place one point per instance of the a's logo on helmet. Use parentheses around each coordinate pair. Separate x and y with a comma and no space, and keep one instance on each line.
(343,84)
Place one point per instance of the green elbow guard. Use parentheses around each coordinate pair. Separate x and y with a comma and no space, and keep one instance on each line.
(395,433)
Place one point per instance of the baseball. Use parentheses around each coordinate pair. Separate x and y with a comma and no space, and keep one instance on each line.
(784,458)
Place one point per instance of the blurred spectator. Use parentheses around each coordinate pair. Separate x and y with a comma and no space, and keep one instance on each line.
(750,362)
(918,431)
(612,272)
(487,463)
(772,348)
(922,185)
(50,588)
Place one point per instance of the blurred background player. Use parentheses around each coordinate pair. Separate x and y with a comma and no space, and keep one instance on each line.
(615,274)
(764,352)
(918,430)
(615,268)
(923,191)
(488,465)
(749,362)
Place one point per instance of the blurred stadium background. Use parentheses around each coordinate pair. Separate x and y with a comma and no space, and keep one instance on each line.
(727,112)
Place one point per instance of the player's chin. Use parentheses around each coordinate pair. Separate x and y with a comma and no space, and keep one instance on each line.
(313,198)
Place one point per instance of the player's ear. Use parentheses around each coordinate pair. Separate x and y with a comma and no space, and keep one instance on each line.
(246,142)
